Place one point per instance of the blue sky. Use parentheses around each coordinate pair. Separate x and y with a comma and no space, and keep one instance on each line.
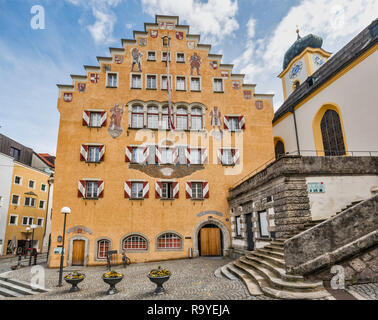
(251,34)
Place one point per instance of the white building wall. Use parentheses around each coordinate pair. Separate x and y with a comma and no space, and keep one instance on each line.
(356,95)
(6,173)
(339,192)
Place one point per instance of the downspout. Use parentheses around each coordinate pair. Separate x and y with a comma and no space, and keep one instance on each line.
(296,129)
(47,211)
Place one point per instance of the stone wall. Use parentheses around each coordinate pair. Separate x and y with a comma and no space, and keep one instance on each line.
(335,240)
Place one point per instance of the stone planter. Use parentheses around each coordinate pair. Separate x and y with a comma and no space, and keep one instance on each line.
(112,282)
(74,283)
(159,283)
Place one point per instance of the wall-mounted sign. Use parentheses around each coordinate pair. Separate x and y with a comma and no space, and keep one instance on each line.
(58,250)
(315,187)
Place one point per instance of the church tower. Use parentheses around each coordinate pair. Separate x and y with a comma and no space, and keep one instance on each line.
(302,59)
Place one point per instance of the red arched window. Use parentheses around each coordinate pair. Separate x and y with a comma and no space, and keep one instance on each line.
(135,242)
(103,246)
(169,241)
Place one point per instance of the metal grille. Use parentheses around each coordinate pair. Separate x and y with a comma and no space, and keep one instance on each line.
(169,241)
(134,243)
(102,247)
(332,134)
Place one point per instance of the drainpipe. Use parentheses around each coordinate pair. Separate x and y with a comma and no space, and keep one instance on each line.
(47,211)
(296,129)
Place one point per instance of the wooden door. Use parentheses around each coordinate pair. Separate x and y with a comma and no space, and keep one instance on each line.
(78,252)
(210,242)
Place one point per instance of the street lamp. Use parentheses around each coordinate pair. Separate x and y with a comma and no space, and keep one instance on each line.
(65,211)
(33,226)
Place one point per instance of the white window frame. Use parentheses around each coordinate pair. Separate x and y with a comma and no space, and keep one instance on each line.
(27,220)
(196,116)
(148,55)
(40,226)
(231,119)
(140,114)
(139,193)
(154,114)
(156,81)
(223,153)
(33,187)
(43,184)
(13,224)
(19,184)
(200,83)
(107,79)
(177,60)
(162,56)
(90,147)
(139,152)
(218,79)
(32,221)
(39,204)
(195,194)
(132,74)
(97,123)
(185,84)
(161,81)
(30,202)
(18,202)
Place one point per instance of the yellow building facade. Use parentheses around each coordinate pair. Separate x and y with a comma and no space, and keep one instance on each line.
(134,185)
(27,207)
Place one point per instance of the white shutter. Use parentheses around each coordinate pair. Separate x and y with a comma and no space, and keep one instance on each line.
(81,189)
(146,153)
(102,153)
(188,190)
(235,156)
(146,189)
(100,189)
(158,190)
(226,120)
(103,119)
(187,155)
(175,187)
(241,122)
(129,154)
(83,152)
(86,118)
(204,156)
(205,189)
(127,188)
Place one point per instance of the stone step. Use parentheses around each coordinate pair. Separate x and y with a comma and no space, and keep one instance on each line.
(279,272)
(218,273)
(226,273)
(281,284)
(278,244)
(9,293)
(276,247)
(276,261)
(15,288)
(290,295)
(273,253)
(252,286)
(24,284)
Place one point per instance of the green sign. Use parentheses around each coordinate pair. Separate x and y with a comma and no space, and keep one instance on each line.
(315,187)
(58,250)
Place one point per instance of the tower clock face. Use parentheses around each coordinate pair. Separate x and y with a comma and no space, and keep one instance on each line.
(296,69)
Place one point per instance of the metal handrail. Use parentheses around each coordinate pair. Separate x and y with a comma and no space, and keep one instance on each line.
(296,153)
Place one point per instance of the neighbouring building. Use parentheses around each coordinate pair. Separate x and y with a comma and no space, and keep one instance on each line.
(131,182)
(25,206)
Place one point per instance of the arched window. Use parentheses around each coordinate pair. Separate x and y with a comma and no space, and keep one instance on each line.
(279,149)
(169,241)
(103,246)
(332,135)
(196,119)
(152,117)
(135,243)
(296,85)
(182,118)
(137,117)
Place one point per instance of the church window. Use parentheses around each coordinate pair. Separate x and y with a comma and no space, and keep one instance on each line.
(332,135)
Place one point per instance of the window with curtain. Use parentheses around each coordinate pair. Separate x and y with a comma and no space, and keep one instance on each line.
(137,117)
(137,190)
(195,156)
(196,119)
(137,155)
(182,119)
(333,140)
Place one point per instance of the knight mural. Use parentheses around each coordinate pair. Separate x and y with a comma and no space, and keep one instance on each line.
(195,63)
(215,122)
(137,57)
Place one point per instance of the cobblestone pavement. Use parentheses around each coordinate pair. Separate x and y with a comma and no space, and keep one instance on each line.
(369,291)
(192,279)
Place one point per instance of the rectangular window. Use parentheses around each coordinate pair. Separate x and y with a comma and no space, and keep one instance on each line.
(180,83)
(137,155)
(151,56)
(17,180)
(13,220)
(151,82)
(31,184)
(263,220)
(166,156)
(95,119)
(238,226)
(167,190)
(29,202)
(218,85)
(233,123)
(227,157)
(41,204)
(15,200)
(112,80)
(15,153)
(152,118)
(164,56)
(180,57)
(93,154)
(164,82)
(197,192)
(30,221)
(195,84)
(43,187)
(195,156)
(136,81)
(137,190)
(152,154)
(40,222)
(25,221)
(91,189)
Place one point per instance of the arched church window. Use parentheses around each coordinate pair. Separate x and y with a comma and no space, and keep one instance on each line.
(332,135)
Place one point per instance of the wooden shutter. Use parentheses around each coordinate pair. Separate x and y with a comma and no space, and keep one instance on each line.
(127,189)
(175,155)
(86,118)
(204,156)
(83,152)
(146,188)
(158,155)
(220,154)
(103,119)
(175,187)
(188,190)
(81,189)
(100,185)
(241,121)
(158,190)
(187,155)
(146,153)
(235,156)
(102,153)
(129,154)
(226,120)
(205,190)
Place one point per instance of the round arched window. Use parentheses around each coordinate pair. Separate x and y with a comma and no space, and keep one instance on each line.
(135,242)
(169,241)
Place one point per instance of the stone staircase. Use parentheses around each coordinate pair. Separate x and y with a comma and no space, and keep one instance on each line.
(349,206)
(263,272)
(17,288)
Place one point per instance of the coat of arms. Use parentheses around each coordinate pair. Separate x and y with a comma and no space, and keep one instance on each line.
(247,94)
(118,59)
(115,127)
(236,85)
(137,57)
(224,74)
(81,87)
(142,42)
(154,33)
(95,77)
(67,97)
(191,45)
(179,35)
(214,65)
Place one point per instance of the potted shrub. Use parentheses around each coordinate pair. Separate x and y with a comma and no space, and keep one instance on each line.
(112,278)
(159,276)
(74,279)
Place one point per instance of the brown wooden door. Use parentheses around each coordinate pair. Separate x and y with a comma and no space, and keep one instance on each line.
(78,252)
(210,242)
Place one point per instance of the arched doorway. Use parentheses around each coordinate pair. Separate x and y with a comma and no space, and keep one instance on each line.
(210,240)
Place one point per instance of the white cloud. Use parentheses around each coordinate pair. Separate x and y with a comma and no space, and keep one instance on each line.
(214,19)
(103,27)
(336,21)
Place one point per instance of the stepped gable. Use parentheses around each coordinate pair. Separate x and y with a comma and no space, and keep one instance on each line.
(127,43)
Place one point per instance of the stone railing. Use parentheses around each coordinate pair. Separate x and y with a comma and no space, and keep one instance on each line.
(340,237)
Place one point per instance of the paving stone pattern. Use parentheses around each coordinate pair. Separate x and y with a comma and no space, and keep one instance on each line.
(369,290)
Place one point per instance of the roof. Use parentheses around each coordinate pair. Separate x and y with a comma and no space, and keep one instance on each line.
(48,159)
(354,49)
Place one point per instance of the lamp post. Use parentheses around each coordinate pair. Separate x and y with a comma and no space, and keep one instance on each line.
(65,211)
(33,226)
(27,238)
